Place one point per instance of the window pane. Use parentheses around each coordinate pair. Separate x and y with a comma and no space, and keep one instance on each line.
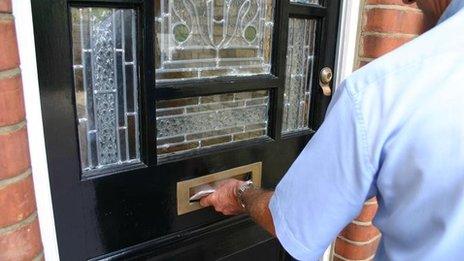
(300,60)
(305,1)
(203,39)
(105,79)
(199,122)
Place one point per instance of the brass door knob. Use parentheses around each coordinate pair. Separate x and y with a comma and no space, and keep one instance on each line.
(325,77)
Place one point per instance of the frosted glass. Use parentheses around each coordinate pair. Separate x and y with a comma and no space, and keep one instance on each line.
(306,1)
(105,81)
(300,61)
(199,122)
(204,39)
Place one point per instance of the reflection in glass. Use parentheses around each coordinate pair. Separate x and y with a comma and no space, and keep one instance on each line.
(203,39)
(316,2)
(198,122)
(105,80)
(300,61)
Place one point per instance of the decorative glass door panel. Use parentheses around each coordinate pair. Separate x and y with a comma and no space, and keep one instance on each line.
(106,87)
(139,96)
(202,39)
(206,121)
(299,72)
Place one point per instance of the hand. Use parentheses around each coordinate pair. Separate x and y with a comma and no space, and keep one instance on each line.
(224,199)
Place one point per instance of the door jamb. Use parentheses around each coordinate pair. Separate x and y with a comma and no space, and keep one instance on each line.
(38,156)
(347,44)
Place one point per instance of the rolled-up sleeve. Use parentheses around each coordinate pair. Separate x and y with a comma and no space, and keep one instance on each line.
(326,186)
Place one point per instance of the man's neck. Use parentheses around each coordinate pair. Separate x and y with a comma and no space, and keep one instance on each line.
(433,10)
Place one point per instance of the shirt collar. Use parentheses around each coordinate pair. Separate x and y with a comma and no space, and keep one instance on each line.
(454,7)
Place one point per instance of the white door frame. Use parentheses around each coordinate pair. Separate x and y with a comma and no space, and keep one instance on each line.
(347,45)
(25,37)
(345,58)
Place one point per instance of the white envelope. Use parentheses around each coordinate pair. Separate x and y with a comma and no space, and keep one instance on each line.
(201,191)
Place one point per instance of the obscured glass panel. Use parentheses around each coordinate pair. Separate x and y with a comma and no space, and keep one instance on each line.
(204,39)
(316,2)
(300,61)
(199,122)
(106,86)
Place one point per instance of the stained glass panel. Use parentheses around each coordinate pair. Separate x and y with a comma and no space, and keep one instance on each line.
(300,61)
(204,39)
(106,86)
(199,122)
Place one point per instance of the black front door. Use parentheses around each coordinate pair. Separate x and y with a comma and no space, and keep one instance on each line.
(140,97)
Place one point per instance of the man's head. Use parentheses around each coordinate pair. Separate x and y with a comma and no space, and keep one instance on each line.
(432,9)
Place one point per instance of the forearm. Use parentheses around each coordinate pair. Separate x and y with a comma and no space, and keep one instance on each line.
(257,206)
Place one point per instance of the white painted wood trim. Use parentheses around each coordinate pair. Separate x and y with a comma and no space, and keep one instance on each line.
(328,255)
(25,35)
(347,39)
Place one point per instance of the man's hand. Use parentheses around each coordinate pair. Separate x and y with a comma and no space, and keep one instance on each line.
(224,199)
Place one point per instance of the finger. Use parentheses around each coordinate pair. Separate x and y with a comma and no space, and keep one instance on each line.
(206,201)
(220,184)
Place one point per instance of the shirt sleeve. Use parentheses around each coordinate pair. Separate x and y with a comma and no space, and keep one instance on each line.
(326,186)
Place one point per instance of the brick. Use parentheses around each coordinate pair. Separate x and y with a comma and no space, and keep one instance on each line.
(215,141)
(356,252)
(367,213)
(251,95)
(249,135)
(257,102)
(177,147)
(17,201)
(5,6)
(255,126)
(359,233)
(375,46)
(394,21)
(169,112)
(11,100)
(390,2)
(9,55)
(217,98)
(163,141)
(14,153)
(176,103)
(21,244)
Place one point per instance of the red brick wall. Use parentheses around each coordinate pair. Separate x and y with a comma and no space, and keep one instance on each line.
(19,227)
(385,25)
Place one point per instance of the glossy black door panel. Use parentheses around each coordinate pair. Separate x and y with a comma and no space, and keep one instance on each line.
(131,212)
(215,243)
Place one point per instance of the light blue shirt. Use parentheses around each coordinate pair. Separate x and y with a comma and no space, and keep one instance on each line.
(395,130)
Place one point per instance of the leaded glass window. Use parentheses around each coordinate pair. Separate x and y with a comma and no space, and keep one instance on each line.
(106,86)
(199,122)
(203,39)
(300,62)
